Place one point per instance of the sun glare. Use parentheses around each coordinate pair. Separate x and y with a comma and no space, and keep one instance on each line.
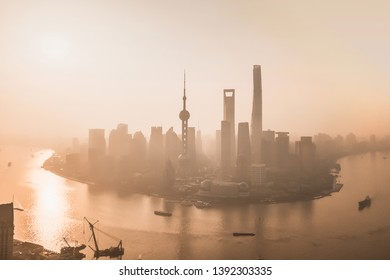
(54,48)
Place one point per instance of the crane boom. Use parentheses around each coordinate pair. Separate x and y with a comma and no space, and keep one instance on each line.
(91,226)
(109,235)
(66,242)
(117,251)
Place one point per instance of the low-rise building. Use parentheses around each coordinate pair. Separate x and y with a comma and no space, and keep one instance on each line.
(223,189)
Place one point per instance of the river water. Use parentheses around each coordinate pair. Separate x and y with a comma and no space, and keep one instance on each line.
(326,228)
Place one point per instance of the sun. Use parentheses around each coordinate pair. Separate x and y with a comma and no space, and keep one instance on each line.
(55,48)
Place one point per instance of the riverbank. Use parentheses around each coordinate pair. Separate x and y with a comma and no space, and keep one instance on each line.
(23,250)
(269,194)
(328,228)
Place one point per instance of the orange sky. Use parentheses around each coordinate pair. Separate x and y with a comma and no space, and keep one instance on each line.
(66,66)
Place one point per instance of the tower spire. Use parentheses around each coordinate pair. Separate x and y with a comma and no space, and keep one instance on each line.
(184,89)
(184,116)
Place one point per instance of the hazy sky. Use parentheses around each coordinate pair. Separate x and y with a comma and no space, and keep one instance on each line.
(66,66)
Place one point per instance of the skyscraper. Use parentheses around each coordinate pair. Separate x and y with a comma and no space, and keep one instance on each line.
(268,148)
(243,141)
(191,145)
(199,149)
(156,152)
(228,115)
(257,121)
(113,145)
(225,148)
(218,146)
(138,151)
(282,143)
(123,139)
(243,151)
(96,146)
(172,147)
(307,152)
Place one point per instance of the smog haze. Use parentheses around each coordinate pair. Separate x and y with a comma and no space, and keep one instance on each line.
(67,66)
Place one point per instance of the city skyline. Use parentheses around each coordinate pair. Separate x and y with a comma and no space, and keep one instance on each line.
(273,145)
(123,62)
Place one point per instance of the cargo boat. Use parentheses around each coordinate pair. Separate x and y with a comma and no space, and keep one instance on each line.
(243,234)
(162,213)
(364,203)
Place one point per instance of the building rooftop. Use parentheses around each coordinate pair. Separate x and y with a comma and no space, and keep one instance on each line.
(7,213)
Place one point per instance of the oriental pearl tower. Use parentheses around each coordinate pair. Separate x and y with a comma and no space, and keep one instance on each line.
(184,115)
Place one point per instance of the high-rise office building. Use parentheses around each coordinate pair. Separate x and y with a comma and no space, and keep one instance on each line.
(218,146)
(225,148)
(123,139)
(138,151)
(156,148)
(96,146)
(113,144)
(172,146)
(243,141)
(228,115)
(307,154)
(199,147)
(258,175)
(191,146)
(256,122)
(243,152)
(118,141)
(119,145)
(282,143)
(324,145)
(268,148)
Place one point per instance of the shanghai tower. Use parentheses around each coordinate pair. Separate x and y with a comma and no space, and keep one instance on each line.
(257,119)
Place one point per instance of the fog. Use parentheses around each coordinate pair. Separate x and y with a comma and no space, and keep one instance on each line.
(67,66)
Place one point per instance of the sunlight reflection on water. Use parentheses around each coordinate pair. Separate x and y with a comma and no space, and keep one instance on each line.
(50,208)
(331,227)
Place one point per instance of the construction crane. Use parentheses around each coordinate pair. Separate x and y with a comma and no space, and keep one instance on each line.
(112,252)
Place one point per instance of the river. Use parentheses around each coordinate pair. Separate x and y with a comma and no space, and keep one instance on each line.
(327,228)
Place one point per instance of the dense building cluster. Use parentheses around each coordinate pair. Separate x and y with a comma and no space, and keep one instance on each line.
(252,156)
